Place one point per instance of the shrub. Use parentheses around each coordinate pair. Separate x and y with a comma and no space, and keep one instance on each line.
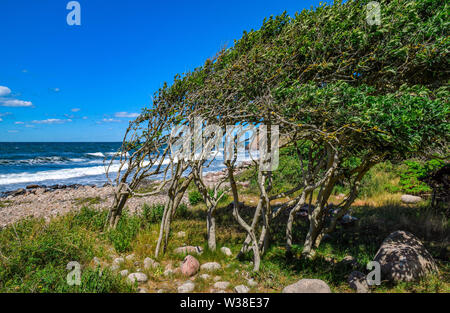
(126,230)
(152,214)
(195,197)
(412,171)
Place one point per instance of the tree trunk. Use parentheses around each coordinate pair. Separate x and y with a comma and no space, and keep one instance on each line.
(211,235)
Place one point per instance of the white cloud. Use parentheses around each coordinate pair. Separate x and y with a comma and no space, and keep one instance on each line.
(85,117)
(19,123)
(56,89)
(13,131)
(6,113)
(75,110)
(51,121)
(1,120)
(15,103)
(126,114)
(4,91)
(110,120)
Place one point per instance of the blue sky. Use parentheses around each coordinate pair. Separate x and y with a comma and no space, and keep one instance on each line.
(84,83)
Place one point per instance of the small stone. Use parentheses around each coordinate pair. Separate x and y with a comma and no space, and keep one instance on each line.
(123,273)
(114,267)
(118,261)
(130,257)
(205,276)
(137,277)
(241,289)
(357,281)
(188,249)
(252,283)
(142,290)
(408,199)
(226,251)
(211,266)
(181,234)
(308,286)
(168,272)
(150,263)
(187,287)
(217,278)
(222,285)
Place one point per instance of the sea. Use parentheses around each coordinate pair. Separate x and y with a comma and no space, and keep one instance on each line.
(23,164)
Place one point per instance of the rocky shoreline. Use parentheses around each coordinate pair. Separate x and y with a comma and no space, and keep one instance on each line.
(41,201)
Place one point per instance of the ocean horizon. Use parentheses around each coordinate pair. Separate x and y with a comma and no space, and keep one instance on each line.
(61,163)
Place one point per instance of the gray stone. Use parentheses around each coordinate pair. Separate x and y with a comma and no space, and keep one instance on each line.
(404,258)
(168,272)
(188,250)
(123,273)
(150,263)
(130,257)
(358,282)
(137,277)
(226,251)
(308,286)
(408,199)
(222,285)
(205,276)
(252,283)
(118,261)
(211,266)
(241,289)
(187,287)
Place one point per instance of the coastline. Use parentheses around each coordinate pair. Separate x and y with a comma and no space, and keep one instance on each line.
(40,201)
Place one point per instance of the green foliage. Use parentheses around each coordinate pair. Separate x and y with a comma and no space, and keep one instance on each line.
(182,211)
(195,197)
(34,255)
(152,214)
(412,171)
(122,236)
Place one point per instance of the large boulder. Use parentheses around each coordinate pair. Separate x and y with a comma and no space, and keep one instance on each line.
(308,286)
(190,266)
(404,258)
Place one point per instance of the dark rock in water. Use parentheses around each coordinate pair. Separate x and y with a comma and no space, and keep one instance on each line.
(54,187)
(33,187)
(74,186)
(19,192)
(403,257)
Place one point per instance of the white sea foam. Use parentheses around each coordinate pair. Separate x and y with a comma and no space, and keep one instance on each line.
(96,154)
(6,179)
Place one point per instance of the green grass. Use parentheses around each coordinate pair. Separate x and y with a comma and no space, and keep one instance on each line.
(34,254)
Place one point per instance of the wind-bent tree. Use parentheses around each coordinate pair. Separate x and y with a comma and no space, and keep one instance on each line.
(345,95)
